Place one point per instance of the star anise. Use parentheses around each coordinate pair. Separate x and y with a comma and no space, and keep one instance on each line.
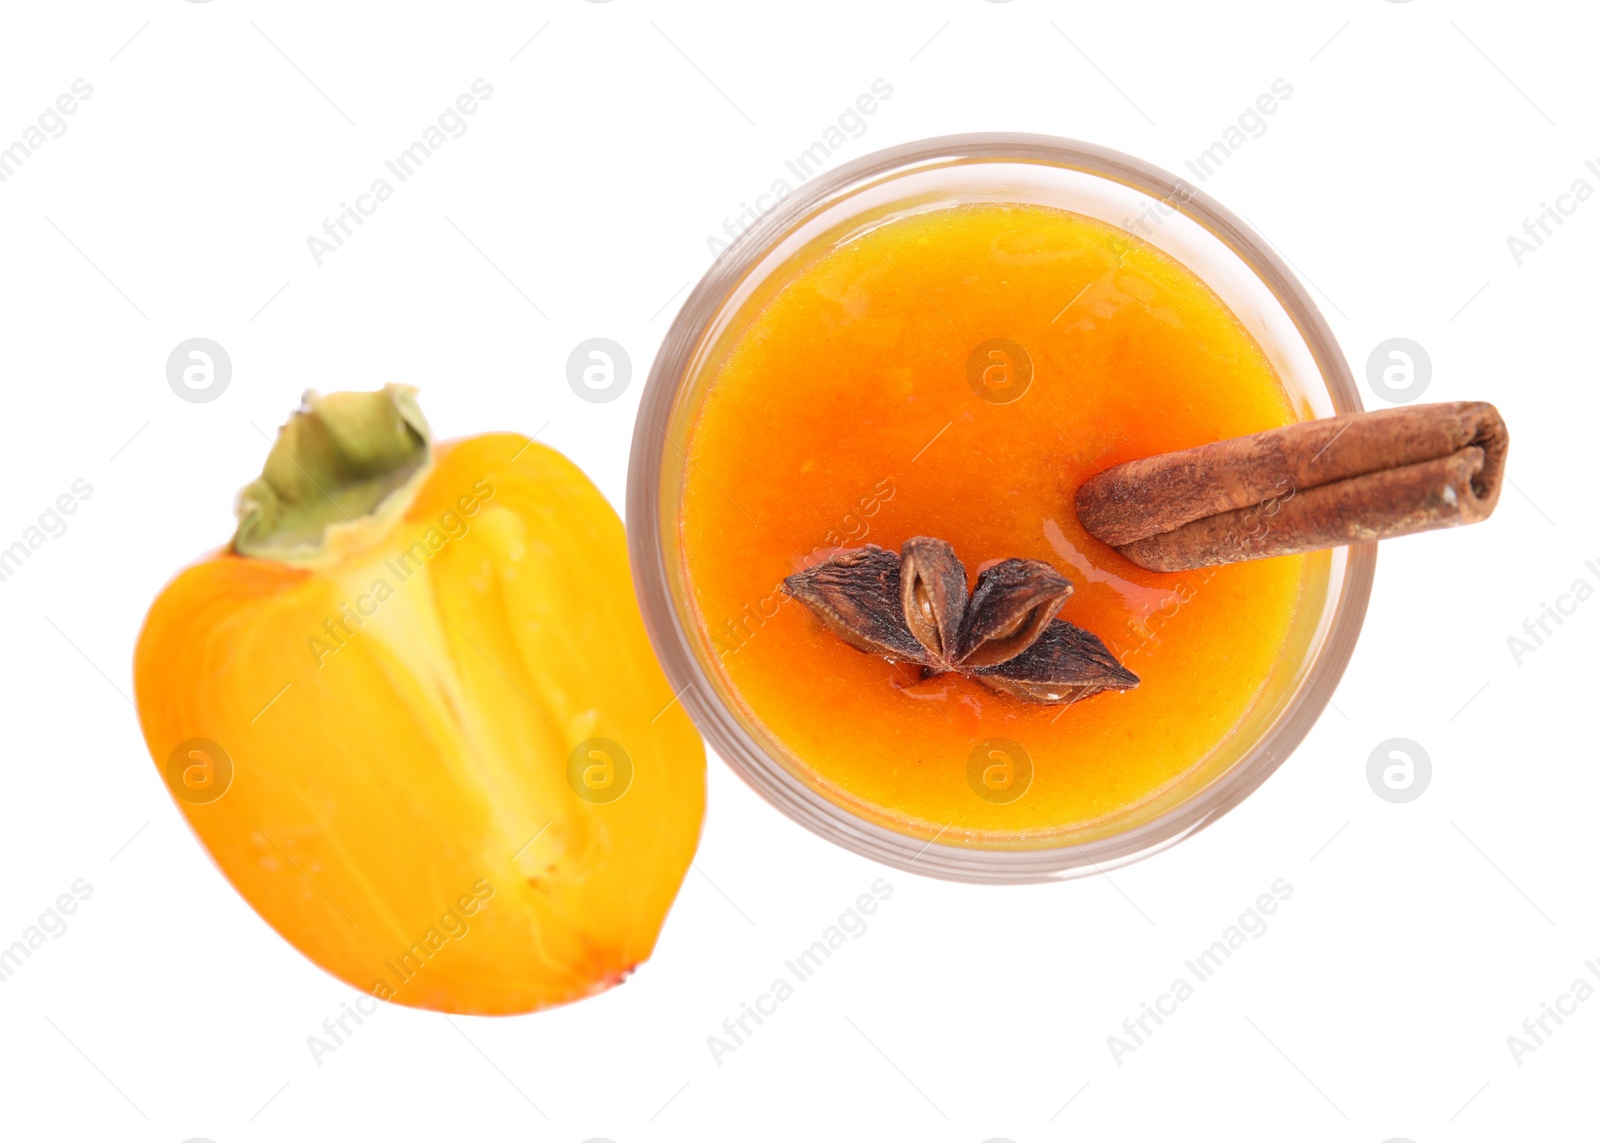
(914,608)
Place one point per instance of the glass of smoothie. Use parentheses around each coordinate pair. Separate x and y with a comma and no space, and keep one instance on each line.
(945,340)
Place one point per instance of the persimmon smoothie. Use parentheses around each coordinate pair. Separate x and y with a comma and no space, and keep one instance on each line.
(957,372)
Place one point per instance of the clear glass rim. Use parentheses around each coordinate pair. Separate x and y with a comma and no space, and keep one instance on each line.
(723,730)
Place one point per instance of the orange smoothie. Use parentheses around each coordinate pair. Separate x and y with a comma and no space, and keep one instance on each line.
(957,372)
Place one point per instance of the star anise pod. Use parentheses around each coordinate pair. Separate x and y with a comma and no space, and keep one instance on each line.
(914,608)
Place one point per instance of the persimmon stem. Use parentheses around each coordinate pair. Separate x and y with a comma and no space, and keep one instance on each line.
(339,460)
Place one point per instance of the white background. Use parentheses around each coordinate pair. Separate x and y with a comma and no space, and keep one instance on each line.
(177,204)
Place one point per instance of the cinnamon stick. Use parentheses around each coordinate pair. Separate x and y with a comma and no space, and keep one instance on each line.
(1317,484)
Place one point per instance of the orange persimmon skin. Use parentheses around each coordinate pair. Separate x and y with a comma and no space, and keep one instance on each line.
(400,808)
